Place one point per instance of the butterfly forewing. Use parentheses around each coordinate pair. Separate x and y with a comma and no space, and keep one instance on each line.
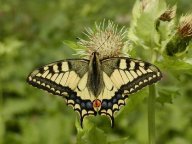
(58,77)
(67,78)
(122,77)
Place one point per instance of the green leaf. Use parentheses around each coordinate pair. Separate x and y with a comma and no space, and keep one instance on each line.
(93,135)
(48,129)
(166,94)
(13,107)
(136,11)
(79,49)
(2,129)
(71,44)
(175,65)
(120,141)
(166,32)
(188,60)
(132,102)
(10,45)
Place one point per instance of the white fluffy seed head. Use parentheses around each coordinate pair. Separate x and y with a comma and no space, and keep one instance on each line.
(104,39)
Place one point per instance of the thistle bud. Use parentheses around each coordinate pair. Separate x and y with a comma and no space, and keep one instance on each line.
(178,46)
(185,26)
(169,14)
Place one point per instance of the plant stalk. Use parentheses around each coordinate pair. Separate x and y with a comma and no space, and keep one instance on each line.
(1,117)
(151,114)
(151,107)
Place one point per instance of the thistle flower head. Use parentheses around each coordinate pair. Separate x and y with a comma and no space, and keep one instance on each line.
(185,26)
(169,14)
(104,39)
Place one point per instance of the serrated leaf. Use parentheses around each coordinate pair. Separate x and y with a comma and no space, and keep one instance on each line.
(143,31)
(175,65)
(136,11)
(73,45)
(166,94)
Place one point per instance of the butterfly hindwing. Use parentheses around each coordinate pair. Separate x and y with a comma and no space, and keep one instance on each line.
(124,76)
(67,78)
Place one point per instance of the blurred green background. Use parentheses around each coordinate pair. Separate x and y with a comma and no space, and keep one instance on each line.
(32,34)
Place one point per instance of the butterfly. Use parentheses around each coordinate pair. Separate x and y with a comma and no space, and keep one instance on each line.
(96,85)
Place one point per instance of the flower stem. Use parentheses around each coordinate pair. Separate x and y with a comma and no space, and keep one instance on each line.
(151,114)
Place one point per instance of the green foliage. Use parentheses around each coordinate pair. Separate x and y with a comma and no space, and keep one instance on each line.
(31,34)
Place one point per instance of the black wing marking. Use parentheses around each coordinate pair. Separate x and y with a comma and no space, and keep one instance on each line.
(124,76)
(66,78)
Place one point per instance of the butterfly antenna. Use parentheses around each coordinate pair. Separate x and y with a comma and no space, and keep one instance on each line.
(103,43)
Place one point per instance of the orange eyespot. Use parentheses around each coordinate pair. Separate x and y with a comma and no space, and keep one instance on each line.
(96,103)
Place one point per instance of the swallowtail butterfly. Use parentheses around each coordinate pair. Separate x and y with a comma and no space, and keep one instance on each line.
(95,86)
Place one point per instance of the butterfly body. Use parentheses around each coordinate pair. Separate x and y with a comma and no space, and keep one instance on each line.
(95,86)
(95,79)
